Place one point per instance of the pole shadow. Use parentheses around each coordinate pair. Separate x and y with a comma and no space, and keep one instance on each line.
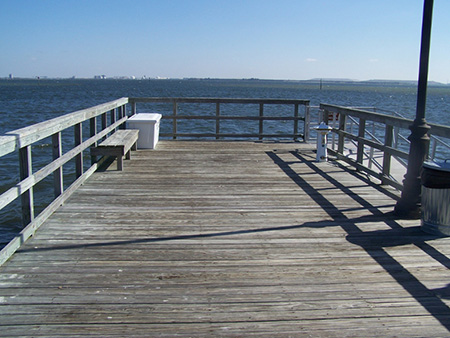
(374,243)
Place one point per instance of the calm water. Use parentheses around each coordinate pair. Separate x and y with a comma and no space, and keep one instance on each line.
(25,102)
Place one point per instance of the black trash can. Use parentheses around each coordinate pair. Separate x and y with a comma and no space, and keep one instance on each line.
(436,198)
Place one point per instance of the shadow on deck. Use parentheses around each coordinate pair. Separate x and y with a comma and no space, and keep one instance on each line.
(206,239)
(374,242)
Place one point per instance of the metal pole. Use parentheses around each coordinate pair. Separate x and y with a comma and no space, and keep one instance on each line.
(409,203)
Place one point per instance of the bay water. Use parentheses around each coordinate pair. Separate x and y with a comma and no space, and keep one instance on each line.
(25,102)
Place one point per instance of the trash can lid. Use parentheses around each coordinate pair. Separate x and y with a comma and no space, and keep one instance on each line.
(441,166)
(146,117)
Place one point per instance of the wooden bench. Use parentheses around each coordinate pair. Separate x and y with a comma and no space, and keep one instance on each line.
(118,144)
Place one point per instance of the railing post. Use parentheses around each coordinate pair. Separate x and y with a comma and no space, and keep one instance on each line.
(174,129)
(79,158)
(372,150)
(93,132)
(261,122)
(104,123)
(388,140)
(217,120)
(334,121)
(361,134)
(341,138)
(307,121)
(112,115)
(296,122)
(58,173)
(323,116)
(433,148)
(133,108)
(25,165)
(396,135)
(123,112)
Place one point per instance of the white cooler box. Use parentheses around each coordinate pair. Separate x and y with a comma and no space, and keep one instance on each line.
(148,126)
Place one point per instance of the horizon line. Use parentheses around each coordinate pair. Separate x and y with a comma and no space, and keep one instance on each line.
(119,77)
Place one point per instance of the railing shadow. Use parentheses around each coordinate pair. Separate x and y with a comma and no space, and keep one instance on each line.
(375,242)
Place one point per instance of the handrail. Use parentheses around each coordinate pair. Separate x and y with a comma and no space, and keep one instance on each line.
(36,132)
(434,140)
(218,117)
(218,100)
(436,129)
(388,148)
(21,140)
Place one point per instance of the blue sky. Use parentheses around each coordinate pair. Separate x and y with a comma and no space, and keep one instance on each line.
(270,39)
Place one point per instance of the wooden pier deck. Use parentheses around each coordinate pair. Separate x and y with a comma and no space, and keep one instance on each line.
(227,239)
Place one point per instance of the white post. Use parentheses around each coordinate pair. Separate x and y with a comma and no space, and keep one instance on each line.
(322,132)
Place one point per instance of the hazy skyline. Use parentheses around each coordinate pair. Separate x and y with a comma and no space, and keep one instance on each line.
(280,39)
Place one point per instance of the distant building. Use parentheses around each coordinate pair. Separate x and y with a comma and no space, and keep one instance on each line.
(100,77)
(11,76)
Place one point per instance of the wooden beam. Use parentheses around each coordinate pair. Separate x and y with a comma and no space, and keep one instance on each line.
(25,165)
(58,185)
(78,158)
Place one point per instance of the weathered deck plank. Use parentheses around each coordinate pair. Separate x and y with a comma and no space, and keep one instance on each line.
(238,239)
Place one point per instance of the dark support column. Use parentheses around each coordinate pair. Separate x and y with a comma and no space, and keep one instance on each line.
(409,203)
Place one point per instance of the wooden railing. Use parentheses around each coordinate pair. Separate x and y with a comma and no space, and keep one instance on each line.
(91,125)
(214,113)
(99,121)
(112,116)
(385,141)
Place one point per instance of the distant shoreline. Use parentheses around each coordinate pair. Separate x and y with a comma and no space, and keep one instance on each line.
(315,81)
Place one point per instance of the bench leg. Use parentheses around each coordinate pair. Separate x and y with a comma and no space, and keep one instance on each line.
(128,155)
(134,146)
(120,163)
